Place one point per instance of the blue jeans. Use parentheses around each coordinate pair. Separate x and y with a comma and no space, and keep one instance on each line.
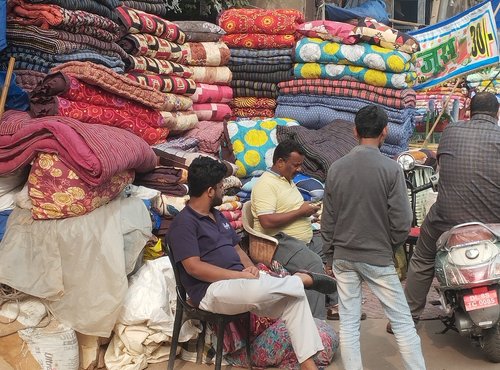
(383,281)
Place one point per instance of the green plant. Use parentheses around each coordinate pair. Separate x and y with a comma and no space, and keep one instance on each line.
(204,7)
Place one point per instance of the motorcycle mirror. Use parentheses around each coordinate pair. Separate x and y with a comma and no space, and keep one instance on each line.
(406,161)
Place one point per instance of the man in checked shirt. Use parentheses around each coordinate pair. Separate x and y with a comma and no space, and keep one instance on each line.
(469,183)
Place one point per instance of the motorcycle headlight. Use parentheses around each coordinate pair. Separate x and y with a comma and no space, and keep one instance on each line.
(406,161)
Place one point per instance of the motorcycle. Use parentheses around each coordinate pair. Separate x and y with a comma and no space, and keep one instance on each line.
(468,272)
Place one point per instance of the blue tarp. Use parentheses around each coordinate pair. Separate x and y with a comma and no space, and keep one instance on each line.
(17,98)
(372,8)
(3,24)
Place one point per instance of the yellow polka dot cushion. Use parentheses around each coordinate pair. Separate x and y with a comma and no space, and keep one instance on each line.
(57,192)
(354,73)
(362,55)
(253,143)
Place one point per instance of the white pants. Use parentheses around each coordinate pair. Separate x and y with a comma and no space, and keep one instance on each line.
(273,297)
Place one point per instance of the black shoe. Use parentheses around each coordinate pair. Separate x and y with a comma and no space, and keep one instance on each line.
(322,283)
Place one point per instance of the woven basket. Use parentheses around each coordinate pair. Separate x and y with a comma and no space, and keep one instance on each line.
(261,250)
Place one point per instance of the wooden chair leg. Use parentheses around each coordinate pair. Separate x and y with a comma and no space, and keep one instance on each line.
(249,353)
(175,336)
(221,325)
(200,343)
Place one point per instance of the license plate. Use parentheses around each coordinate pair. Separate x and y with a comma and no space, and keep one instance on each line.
(482,300)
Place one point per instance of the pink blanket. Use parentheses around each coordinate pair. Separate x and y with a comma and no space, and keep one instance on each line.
(94,152)
(206,93)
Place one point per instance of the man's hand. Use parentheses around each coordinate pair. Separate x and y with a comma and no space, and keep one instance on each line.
(307,209)
(250,272)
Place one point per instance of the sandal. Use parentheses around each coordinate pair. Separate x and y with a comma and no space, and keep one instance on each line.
(322,283)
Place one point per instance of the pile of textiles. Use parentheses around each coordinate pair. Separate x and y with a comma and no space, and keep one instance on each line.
(231,209)
(430,103)
(94,94)
(488,78)
(73,170)
(45,33)
(261,43)
(317,102)
(156,57)
(207,57)
(156,7)
(342,67)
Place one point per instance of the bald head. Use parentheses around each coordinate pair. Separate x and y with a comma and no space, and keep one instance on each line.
(485,103)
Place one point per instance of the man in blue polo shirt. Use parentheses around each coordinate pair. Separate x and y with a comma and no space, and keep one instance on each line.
(219,277)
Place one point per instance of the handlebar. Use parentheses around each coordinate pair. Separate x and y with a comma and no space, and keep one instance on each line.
(420,188)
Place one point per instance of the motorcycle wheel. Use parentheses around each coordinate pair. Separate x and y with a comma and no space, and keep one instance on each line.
(491,344)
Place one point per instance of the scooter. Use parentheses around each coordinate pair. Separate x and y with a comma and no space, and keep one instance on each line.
(468,271)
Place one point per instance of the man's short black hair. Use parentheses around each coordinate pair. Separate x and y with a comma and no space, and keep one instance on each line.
(285,148)
(370,121)
(484,102)
(203,173)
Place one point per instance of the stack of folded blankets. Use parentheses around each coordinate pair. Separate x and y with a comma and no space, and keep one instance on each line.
(261,43)
(74,167)
(95,94)
(156,58)
(207,57)
(343,67)
(45,33)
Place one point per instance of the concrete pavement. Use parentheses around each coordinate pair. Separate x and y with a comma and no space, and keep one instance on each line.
(379,350)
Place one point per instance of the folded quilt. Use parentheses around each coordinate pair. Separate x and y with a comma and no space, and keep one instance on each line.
(377,33)
(200,31)
(28,79)
(253,112)
(330,31)
(345,104)
(253,142)
(253,102)
(208,134)
(212,111)
(259,41)
(280,59)
(251,88)
(170,206)
(230,206)
(322,147)
(57,192)
(144,44)
(136,21)
(91,6)
(272,77)
(53,16)
(79,146)
(165,179)
(268,21)
(43,101)
(206,93)
(362,55)
(187,144)
(115,83)
(258,53)
(178,122)
(390,97)
(212,75)
(354,73)
(110,116)
(261,68)
(163,83)
(159,9)
(212,54)
(316,117)
(157,66)
(58,41)
(232,215)
(49,60)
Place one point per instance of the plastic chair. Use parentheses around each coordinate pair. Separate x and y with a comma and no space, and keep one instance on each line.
(262,247)
(184,309)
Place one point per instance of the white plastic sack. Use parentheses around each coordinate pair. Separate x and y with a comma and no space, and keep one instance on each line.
(55,346)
